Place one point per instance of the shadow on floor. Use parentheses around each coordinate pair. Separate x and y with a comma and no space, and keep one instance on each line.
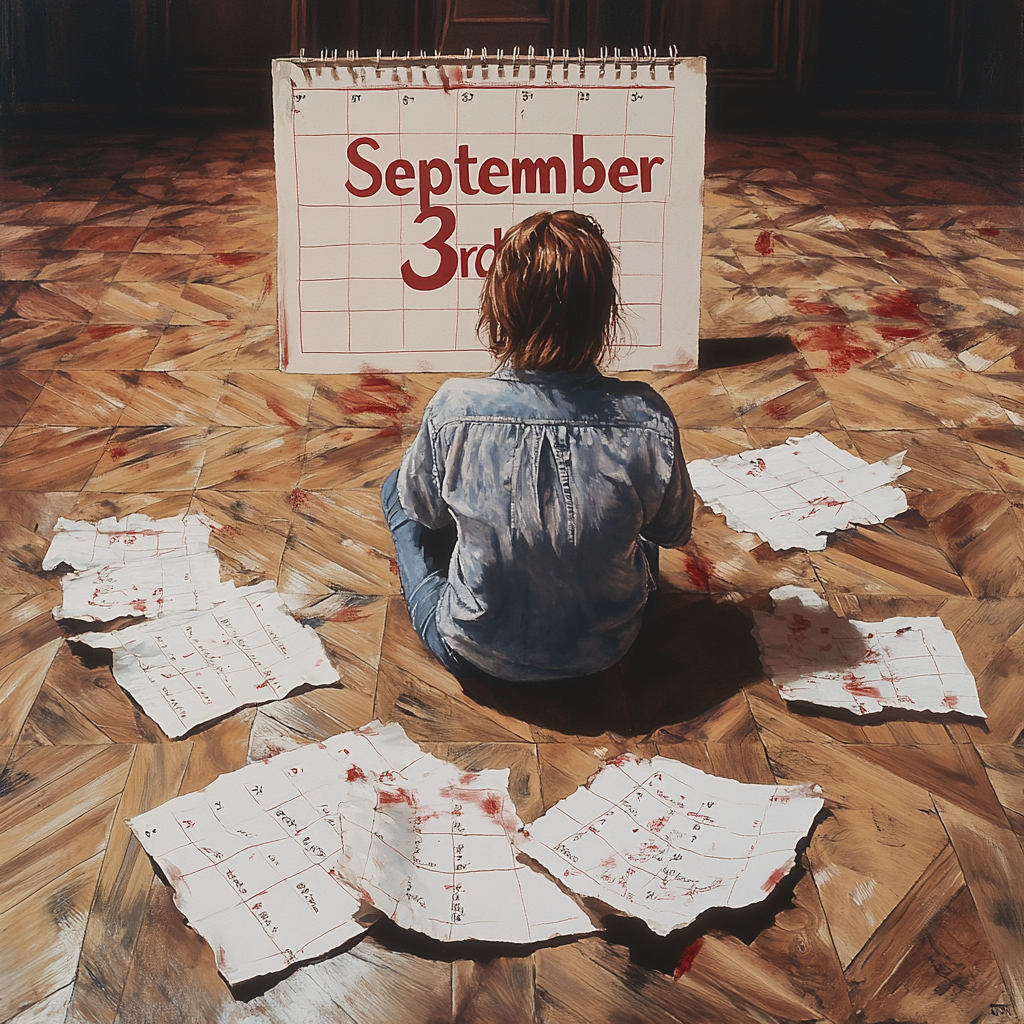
(691,655)
(716,353)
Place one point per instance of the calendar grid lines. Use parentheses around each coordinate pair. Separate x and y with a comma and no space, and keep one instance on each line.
(387,291)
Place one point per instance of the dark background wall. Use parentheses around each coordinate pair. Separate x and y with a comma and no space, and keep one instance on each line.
(770,61)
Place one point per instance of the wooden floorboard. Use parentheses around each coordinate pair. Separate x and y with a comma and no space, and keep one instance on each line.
(138,373)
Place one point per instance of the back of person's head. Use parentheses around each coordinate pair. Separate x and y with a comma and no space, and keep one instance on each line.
(549,301)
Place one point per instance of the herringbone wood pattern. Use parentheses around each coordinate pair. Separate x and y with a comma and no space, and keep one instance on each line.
(138,373)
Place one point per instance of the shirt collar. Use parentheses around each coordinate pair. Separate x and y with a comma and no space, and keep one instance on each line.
(552,378)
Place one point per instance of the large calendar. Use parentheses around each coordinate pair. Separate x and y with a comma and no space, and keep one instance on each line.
(397,179)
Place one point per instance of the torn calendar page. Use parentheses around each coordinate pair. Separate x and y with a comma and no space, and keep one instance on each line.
(252,858)
(664,842)
(188,669)
(261,861)
(131,540)
(796,493)
(438,856)
(156,586)
(813,655)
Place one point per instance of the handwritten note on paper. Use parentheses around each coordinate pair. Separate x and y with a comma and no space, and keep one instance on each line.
(271,862)
(132,540)
(813,655)
(664,842)
(794,494)
(188,669)
(158,586)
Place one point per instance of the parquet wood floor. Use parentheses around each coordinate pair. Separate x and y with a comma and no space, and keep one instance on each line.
(138,373)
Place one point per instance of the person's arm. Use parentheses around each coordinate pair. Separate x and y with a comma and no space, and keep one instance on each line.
(420,479)
(671,525)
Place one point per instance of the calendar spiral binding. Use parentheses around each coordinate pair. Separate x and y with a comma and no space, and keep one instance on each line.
(501,64)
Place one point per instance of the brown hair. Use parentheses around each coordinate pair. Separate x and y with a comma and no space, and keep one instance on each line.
(548,301)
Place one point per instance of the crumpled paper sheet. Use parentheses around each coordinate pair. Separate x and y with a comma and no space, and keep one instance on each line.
(664,842)
(271,863)
(813,655)
(136,566)
(794,494)
(136,538)
(188,669)
(438,856)
(163,585)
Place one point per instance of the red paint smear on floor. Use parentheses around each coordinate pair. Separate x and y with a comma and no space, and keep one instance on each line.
(989,232)
(298,498)
(900,306)
(855,685)
(814,308)
(764,244)
(281,413)
(699,570)
(774,878)
(393,566)
(376,394)
(348,615)
(897,333)
(897,254)
(686,960)
(102,333)
(354,774)
(778,409)
(844,346)
(118,451)
(237,259)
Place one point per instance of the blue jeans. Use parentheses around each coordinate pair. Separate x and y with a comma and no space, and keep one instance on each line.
(423,556)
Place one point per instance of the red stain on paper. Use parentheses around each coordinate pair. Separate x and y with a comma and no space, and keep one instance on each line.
(764,244)
(758,468)
(355,774)
(774,878)
(856,686)
(951,700)
(687,959)
(396,796)
(799,624)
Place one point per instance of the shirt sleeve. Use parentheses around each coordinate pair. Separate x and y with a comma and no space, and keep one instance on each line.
(420,479)
(671,525)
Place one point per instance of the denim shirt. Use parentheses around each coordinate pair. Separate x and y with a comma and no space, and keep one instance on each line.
(551,478)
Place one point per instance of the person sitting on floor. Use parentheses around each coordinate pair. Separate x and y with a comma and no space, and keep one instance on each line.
(528,511)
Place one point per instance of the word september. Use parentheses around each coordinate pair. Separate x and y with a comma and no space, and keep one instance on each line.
(526,173)
(493,177)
